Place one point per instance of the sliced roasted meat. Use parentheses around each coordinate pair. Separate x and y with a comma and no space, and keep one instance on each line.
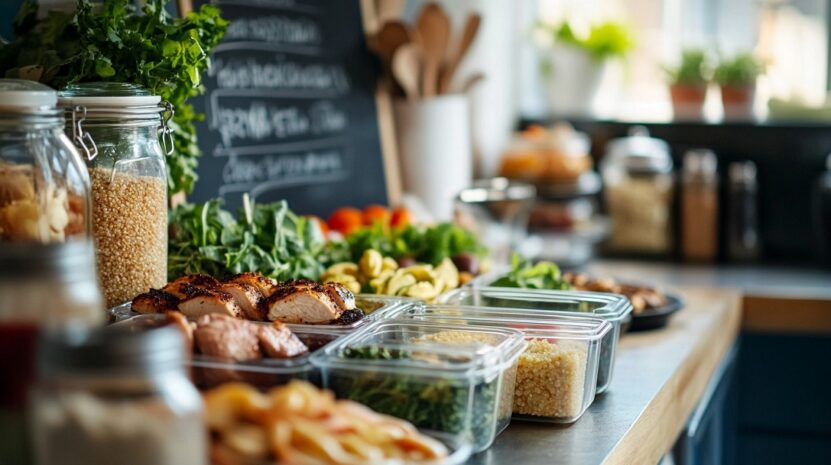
(339,294)
(262,283)
(227,338)
(301,303)
(154,301)
(249,298)
(277,341)
(182,324)
(200,302)
(203,281)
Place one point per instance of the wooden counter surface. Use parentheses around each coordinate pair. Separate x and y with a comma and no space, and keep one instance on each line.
(658,380)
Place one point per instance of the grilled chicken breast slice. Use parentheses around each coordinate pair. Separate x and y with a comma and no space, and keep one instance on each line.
(302,303)
(202,281)
(277,341)
(249,298)
(200,302)
(227,338)
(154,301)
(262,283)
(339,294)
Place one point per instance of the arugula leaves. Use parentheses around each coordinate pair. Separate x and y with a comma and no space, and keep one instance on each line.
(115,41)
(204,238)
(524,274)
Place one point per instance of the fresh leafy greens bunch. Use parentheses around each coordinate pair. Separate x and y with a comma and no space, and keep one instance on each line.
(525,274)
(204,238)
(739,71)
(694,70)
(116,41)
(602,41)
(424,244)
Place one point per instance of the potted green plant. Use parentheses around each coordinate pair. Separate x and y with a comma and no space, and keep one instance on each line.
(737,79)
(577,61)
(688,85)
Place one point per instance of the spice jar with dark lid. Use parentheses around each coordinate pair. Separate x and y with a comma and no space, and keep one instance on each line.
(120,129)
(699,206)
(116,396)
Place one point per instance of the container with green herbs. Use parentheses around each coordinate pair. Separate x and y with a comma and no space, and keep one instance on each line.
(556,377)
(453,379)
(611,307)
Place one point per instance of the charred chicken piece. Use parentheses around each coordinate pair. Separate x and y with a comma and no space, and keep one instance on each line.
(227,338)
(262,283)
(198,302)
(340,295)
(301,302)
(201,281)
(277,341)
(155,301)
(249,298)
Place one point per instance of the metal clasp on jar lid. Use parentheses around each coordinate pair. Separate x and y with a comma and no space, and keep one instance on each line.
(82,138)
(167,132)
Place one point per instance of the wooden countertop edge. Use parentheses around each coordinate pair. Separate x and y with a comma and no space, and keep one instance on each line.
(786,314)
(656,430)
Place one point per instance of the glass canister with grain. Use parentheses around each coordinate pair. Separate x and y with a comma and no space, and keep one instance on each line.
(44,185)
(120,129)
(639,185)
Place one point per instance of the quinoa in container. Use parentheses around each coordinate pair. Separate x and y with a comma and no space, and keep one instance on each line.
(557,372)
(452,379)
(615,309)
(116,127)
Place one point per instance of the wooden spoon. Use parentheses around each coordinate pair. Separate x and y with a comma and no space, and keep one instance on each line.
(468,35)
(392,35)
(406,67)
(433,27)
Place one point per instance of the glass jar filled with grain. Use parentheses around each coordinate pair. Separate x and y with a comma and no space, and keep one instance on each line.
(120,129)
(44,185)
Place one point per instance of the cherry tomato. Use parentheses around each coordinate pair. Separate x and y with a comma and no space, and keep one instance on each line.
(374,214)
(345,220)
(401,217)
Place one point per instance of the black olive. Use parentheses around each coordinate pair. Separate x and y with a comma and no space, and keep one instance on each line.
(404,262)
(467,262)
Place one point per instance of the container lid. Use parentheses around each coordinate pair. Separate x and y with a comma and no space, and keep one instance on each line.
(107,94)
(23,94)
(700,162)
(743,172)
(111,351)
(612,307)
(533,323)
(448,351)
(497,190)
(639,153)
(25,260)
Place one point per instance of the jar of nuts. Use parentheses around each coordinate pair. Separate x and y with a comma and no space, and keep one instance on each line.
(117,127)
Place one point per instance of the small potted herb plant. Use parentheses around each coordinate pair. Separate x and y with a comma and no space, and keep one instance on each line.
(737,78)
(576,62)
(688,85)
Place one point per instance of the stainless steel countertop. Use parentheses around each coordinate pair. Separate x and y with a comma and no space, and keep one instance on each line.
(760,281)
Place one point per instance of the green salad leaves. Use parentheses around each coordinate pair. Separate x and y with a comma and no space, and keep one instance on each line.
(116,41)
(525,274)
(204,238)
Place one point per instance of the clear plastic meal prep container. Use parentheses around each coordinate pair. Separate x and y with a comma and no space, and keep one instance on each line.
(375,308)
(452,379)
(207,371)
(613,308)
(557,374)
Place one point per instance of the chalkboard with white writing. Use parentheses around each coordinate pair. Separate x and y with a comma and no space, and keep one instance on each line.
(290,108)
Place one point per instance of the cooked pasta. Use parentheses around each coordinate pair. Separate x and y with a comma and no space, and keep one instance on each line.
(298,424)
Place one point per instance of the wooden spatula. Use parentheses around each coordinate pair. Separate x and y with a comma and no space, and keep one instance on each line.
(406,67)
(433,27)
(468,35)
